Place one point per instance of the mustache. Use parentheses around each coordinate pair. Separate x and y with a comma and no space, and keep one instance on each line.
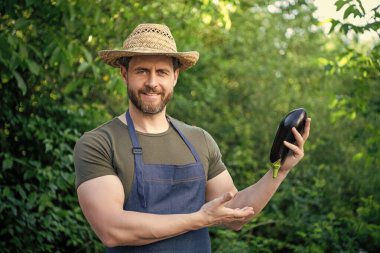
(148,89)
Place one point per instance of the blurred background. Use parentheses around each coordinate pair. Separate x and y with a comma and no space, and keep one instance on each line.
(258,60)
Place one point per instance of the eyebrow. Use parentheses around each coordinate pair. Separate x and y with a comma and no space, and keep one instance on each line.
(140,68)
(165,69)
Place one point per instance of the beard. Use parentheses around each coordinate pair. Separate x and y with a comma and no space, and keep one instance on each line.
(147,107)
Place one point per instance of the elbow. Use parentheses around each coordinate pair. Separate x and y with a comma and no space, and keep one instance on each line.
(109,243)
(237,228)
(108,239)
(109,236)
(234,226)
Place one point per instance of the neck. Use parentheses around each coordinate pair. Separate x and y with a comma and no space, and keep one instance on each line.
(148,123)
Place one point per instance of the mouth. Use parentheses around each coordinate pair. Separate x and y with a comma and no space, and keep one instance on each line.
(150,96)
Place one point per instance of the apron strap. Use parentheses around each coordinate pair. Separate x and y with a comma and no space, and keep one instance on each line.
(187,142)
(137,153)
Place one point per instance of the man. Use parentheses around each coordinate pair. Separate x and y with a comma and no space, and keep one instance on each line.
(149,183)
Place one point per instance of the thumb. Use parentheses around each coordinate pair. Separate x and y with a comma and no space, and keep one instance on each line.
(225,198)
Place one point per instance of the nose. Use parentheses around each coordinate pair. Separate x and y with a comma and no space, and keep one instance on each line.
(152,80)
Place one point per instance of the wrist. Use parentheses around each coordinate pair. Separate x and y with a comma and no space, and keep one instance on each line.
(197,220)
(281,174)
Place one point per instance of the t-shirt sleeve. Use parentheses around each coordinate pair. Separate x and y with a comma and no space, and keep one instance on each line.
(92,157)
(216,165)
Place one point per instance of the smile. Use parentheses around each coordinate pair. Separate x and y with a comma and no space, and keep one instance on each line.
(151,94)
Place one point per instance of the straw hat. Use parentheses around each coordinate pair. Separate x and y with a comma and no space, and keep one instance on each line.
(150,39)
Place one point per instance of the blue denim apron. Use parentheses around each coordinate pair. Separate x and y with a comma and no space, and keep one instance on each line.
(167,189)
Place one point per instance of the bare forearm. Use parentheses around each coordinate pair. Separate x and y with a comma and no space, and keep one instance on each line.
(256,196)
(133,228)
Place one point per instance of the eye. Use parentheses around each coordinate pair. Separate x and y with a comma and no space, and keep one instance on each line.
(141,71)
(162,72)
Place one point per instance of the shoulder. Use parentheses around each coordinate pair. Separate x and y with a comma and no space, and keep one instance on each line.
(109,128)
(189,130)
(93,152)
(101,136)
(195,134)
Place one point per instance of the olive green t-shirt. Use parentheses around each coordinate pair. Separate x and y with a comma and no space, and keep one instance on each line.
(106,150)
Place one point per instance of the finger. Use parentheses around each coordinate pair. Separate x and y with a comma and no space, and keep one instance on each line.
(299,138)
(248,216)
(239,213)
(306,131)
(248,210)
(224,198)
(296,150)
(244,209)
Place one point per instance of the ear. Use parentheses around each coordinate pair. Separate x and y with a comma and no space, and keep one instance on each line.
(123,72)
(176,75)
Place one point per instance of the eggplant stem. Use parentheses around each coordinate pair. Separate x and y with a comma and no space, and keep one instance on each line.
(276,167)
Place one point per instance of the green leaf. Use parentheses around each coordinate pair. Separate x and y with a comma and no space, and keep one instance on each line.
(361,7)
(339,4)
(376,10)
(83,67)
(48,147)
(44,202)
(22,192)
(64,69)
(20,82)
(29,174)
(20,23)
(32,198)
(7,162)
(23,51)
(375,26)
(357,13)
(334,23)
(87,54)
(345,28)
(6,192)
(54,56)
(71,87)
(12,40)
(350,10)
(36,51)
(49,48)
(33,67)
(5,50)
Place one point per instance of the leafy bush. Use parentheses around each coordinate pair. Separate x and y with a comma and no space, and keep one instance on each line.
(256,64)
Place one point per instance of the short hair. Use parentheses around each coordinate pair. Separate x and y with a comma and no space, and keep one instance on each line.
(124,61)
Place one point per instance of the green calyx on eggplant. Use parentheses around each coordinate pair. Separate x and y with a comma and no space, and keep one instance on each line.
(296,118)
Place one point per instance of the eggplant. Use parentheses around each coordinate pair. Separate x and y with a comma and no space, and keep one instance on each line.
(296,118)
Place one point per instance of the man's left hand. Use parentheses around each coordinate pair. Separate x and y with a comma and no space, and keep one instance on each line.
(296,150)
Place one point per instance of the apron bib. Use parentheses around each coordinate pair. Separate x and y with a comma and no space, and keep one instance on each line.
(167,189)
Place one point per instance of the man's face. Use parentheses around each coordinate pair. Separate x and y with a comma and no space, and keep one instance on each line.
(150,81)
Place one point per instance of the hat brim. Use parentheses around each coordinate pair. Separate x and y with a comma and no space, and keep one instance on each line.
(110,57)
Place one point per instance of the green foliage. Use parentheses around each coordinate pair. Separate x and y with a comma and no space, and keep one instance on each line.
(356,10)
(256,64)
